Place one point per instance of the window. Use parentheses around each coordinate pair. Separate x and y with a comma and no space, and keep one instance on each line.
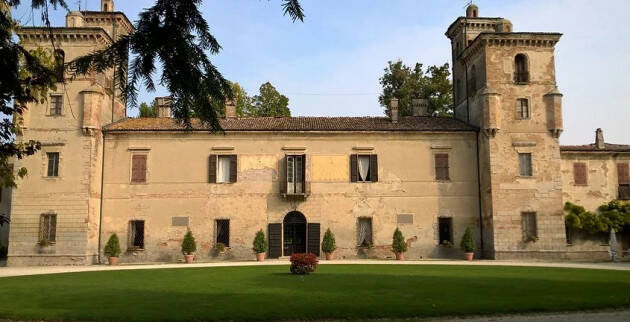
(522,108)
(525,164)
(223,168)
(48,228)
(139,168)
(623,178)
(53,164)
(223,231)
(521,73)
(579,174)
(364,168)
(60,58)
(530,229)
(365,232)
(136,234)
(296,173)
(445,230)
(441,167)
(56,105)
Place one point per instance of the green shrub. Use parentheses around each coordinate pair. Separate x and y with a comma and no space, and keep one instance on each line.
(328,243)
(615,215)
(112,248)
(468,241)
(399,245)
(260,243)
(189,246)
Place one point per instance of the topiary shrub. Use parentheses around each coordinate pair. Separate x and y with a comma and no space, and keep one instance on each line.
(328,243)
(302,264)
(260,243)
(112,248)
(220,247)
(189,246)
(399,245)
(468,241)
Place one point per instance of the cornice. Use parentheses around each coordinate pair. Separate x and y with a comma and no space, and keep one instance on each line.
(64,33)
(509,39)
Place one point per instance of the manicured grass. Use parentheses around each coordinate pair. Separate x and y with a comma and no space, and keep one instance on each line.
(334,291)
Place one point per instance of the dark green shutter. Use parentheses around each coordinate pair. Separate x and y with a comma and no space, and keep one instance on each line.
(212,169)
(275,240)
(233,168)
(353,168)
(374,168)
(304,173)
(313,231)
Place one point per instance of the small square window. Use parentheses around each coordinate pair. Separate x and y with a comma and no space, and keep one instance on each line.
(53,164)
(56,105)
(525,164)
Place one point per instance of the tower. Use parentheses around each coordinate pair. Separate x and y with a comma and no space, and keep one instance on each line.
(504,84)
(55,211)
(107,5)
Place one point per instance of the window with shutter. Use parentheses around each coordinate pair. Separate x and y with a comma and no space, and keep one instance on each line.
(365,168)
(354,175)
(223,231)
(313,232)
(295,174)
(233,168)
(530,229)
(525,164)
(274,232)
(212,169)
(441,167)
(623,173)
(139,168)
(580,175)
(48,228)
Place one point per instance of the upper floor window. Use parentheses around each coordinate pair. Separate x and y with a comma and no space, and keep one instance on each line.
(364,168)
(223,168)
(441,167)
(139,168)
(60,58)
(521,70)
(56,104)
(47,228)
(53,164)
(522,109)
(580,176)
(525,164)
(296,174)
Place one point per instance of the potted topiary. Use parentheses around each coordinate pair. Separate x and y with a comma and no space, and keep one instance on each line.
(468,244)
(260,246)
(112,249)
(189,246)
(328,244)
(399,245)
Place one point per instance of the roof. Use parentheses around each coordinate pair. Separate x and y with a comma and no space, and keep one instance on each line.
(608,147)
(299,124)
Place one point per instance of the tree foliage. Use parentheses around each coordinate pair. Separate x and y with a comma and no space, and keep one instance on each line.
(269,102)
(405,83)
(147,110)
(171,33)
(612,215)
(241,99)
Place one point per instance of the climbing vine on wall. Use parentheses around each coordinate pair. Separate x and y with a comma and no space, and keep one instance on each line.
(615,214)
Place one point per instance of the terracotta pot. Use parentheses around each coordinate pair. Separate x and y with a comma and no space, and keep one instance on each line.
(260,257)
(189,258)
(469,256)
(400,256)
(329,256)
(112,260)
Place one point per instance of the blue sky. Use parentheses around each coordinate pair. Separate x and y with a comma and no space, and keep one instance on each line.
(330,64)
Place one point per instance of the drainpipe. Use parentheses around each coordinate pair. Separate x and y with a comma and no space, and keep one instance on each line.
(479,195)
(100,217)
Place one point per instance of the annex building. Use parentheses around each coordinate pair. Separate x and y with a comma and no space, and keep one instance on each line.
(496,167)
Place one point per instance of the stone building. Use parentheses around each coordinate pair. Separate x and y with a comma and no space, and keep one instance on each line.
(496,167)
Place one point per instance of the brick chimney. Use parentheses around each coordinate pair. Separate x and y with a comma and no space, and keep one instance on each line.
(599,139)
(420,107)
(393,110)
(230,109)
(164,106)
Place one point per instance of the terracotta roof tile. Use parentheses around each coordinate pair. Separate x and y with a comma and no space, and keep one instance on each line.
(608,147)
(301,123)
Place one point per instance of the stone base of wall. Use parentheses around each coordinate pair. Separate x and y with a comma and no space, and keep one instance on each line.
(51,260)
(552,255)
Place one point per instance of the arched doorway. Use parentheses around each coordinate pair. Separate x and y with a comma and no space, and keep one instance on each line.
(294,226)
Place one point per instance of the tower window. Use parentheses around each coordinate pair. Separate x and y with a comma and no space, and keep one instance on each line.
(60,58)
(521,73)
(522,108)
(525,164)
(53,164)
(56,105)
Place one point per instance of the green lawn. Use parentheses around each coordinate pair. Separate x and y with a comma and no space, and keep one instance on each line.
(334,291)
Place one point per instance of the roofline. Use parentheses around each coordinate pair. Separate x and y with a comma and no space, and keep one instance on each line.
(448,30)
(110,13)
(97,29)
(468,49)
(115,131)
(606,151)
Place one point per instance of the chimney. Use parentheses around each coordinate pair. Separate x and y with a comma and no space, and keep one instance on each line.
(472,11)
(599,139)
(230,109)
(393,110)
(420,107)
(107,5)
(74,19)
(164,106)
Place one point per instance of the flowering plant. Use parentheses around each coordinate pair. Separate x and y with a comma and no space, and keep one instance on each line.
(303,263)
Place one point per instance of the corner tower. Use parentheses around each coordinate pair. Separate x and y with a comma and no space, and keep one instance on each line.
(505,84)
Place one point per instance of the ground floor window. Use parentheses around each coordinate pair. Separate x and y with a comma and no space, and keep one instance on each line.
(223,232)
(136,234)
(445,230)
(48,228)
(365,232)
(530,229)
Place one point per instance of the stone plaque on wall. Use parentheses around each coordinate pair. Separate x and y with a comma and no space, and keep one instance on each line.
(405,219)
(180,221)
